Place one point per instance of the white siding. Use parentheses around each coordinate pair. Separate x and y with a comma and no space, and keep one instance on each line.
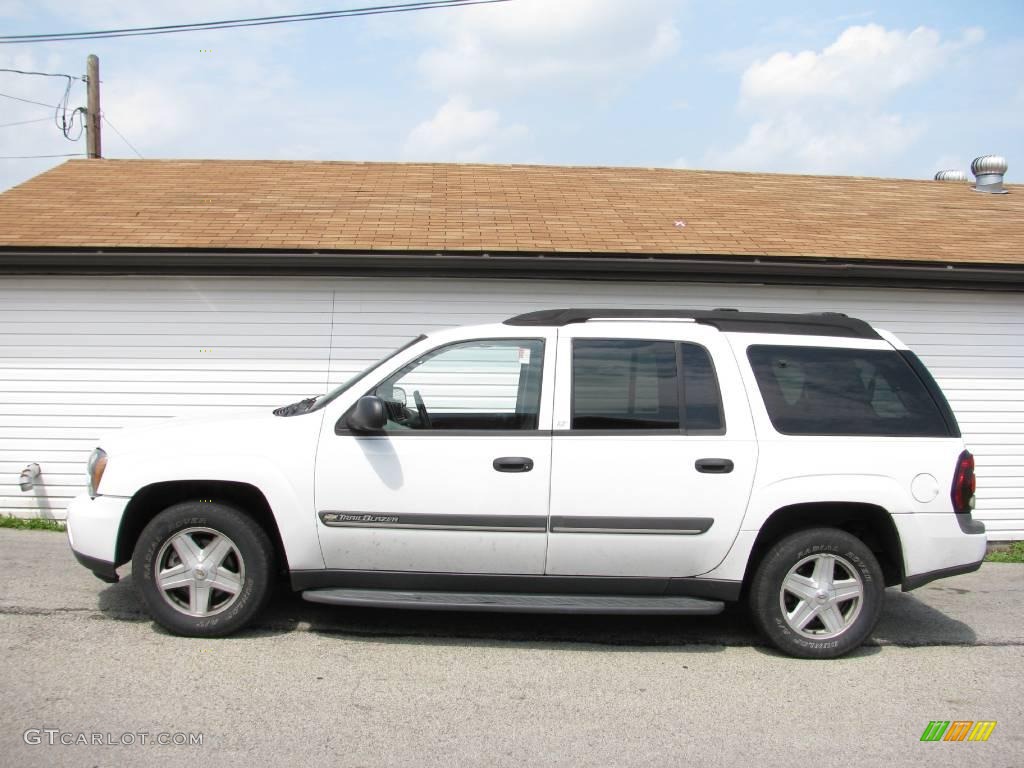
(82,355)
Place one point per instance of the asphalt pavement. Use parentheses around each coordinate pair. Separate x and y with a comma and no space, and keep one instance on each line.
(88,679)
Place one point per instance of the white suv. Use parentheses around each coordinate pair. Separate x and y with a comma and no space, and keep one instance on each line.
(574,460)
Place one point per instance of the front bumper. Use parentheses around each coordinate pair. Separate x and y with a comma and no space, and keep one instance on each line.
(938,545)
(92,526)
(101,569)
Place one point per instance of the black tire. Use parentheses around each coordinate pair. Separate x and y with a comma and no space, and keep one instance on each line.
(851,623)
(249,562)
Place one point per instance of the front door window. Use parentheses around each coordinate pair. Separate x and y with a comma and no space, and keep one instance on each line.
(490,384)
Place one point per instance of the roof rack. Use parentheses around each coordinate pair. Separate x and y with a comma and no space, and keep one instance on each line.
(811,324)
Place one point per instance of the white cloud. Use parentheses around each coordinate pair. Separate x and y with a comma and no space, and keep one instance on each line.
(460,133)
(539,41)
(182,105)
(830,111)
(864,65)
(13,9)
(151,114)
(792,142)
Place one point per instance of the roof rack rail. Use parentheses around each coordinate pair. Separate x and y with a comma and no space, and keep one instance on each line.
(810,324)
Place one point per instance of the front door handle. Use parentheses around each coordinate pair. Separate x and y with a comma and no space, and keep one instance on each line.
(513,464)
(714,466)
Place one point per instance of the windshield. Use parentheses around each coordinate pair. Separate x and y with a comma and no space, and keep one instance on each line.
(325,399)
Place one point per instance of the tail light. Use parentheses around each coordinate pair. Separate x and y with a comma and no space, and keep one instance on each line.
(964,484)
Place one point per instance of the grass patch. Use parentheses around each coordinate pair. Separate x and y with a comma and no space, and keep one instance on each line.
(1014,554)
(31,523)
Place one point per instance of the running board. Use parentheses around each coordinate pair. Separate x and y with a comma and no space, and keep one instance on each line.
(514,602)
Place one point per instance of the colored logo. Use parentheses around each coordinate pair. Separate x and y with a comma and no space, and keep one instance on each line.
(958,730)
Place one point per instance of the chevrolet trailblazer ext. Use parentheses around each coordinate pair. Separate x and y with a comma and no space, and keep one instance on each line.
(573,460)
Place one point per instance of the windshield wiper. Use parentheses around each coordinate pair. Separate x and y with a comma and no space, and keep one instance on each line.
(295,408)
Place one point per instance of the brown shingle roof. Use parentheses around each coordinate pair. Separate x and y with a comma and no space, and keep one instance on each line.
(271,205)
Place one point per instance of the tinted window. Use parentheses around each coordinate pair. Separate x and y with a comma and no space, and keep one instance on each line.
(486,385)
(701,396)
(828,391)
(624,384)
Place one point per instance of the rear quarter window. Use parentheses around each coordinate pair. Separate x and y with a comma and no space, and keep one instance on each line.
(832,391)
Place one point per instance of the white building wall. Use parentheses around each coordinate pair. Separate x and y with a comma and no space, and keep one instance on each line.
(82,355)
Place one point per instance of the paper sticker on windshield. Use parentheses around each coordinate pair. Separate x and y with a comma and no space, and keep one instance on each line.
(524,355)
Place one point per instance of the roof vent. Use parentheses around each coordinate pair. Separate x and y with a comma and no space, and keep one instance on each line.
(988,173)
(951,175)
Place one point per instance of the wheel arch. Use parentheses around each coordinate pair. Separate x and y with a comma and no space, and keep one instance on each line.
(152,499)
(870,523)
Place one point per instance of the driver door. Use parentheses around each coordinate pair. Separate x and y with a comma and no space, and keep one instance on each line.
(457,482)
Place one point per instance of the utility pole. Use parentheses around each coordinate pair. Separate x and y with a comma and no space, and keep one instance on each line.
(92,113)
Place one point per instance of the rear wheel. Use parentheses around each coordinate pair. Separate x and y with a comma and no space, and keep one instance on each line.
(203,569)
(817,594)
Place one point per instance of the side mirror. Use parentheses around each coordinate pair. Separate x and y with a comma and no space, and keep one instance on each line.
(368,415)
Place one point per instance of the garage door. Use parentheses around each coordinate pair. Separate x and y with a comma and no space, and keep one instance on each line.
(79,356)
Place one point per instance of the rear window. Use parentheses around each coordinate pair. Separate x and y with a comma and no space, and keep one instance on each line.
(830,391)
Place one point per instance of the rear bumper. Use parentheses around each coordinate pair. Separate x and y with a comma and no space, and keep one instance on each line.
(938,545)
(913,582)
(92,526)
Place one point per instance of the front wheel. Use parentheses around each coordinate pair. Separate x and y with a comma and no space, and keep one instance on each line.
(203,569)
(817,594)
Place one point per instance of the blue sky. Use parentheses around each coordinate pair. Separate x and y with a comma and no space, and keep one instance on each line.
(894,89)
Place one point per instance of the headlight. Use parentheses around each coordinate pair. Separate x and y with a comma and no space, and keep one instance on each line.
(97,464)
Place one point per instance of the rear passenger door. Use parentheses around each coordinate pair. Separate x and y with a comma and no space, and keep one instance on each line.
(653,451)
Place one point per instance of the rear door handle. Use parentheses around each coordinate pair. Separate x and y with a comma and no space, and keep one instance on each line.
(513,464)
(714,466)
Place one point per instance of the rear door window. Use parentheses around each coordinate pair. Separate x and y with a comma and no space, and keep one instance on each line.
(624,384)
(831,391)
(636,384)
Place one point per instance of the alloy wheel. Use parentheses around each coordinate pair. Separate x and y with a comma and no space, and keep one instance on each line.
(821,596)
(199,572)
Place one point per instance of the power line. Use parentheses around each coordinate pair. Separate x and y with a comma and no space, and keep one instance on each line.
(60,116)
(28,101)
(26,122)
(258,21)
(41,74)
(122,136)
(36,157)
